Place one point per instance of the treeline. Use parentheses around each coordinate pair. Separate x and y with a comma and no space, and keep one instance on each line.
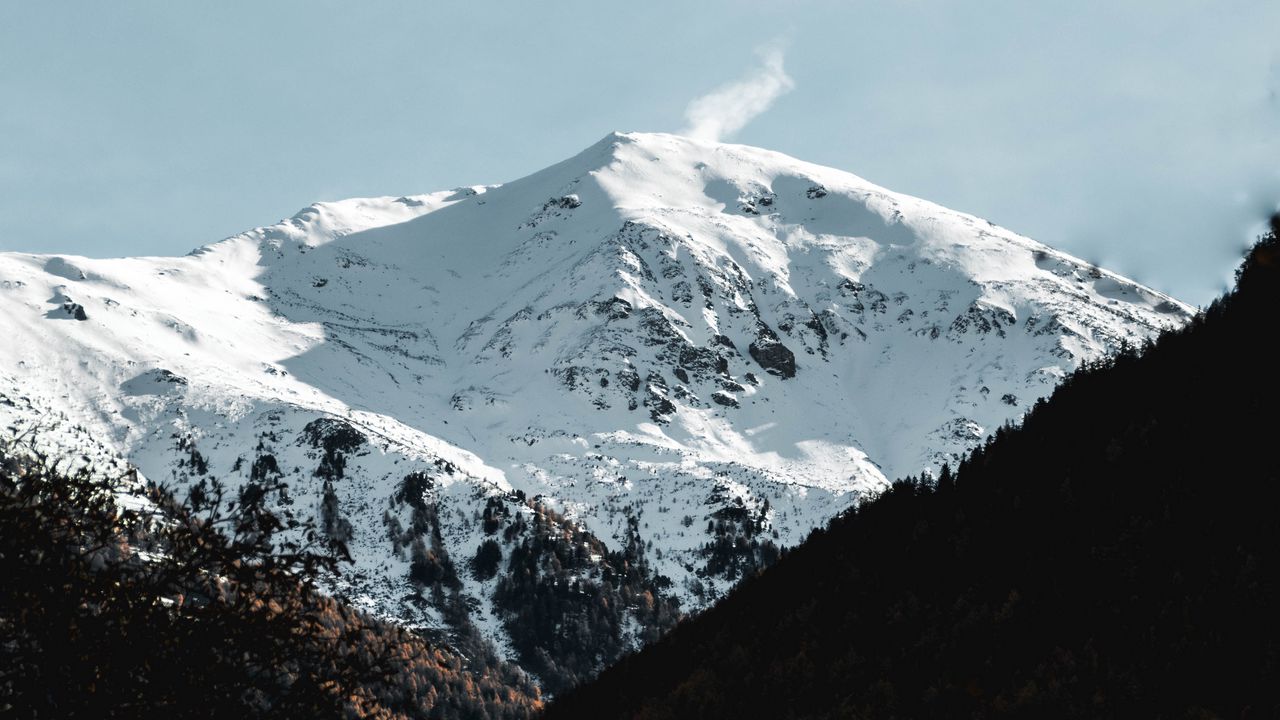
(738,546)
(124,601)
(1116,556)
(570,605)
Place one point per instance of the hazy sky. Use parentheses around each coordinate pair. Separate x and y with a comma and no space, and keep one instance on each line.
(1141,135)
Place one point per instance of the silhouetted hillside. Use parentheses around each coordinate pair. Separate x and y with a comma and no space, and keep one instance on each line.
(1116,556)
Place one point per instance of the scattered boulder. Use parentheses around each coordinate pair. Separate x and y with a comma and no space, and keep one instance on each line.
(153,382)
(771,354)
(66,307)
(615,308)
(333,434)
(725,399)
(564,202)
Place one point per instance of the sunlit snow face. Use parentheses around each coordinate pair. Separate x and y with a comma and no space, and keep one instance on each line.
(657,328)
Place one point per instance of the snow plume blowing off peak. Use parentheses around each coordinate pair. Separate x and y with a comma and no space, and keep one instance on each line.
(728,108)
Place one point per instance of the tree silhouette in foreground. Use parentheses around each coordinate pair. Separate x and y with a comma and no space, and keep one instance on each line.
(118,600)
(1115,556)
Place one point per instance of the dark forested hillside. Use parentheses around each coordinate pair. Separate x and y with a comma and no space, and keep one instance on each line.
(118,600)
(1118,555)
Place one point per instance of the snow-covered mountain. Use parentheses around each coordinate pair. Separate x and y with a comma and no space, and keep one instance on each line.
(688,352)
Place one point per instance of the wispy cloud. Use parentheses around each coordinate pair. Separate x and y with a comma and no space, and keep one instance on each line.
(728,108)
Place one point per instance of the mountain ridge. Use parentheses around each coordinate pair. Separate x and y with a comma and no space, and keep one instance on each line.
(707,349)
(1113,555)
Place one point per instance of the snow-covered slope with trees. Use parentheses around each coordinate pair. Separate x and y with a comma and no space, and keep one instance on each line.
(638,371)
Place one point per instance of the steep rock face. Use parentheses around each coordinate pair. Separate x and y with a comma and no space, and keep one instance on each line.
(698,350)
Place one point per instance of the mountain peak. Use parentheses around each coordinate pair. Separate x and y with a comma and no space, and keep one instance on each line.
(660,339)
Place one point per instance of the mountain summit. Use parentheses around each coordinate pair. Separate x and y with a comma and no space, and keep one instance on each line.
(638,371)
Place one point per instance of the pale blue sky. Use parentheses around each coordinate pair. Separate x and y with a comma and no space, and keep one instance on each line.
(1142,135)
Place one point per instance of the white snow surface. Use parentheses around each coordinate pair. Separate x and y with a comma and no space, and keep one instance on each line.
(584,334)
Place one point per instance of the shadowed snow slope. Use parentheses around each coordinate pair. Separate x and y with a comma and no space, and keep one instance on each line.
(658,336)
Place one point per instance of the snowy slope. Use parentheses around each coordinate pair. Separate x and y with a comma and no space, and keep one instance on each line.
(656,329)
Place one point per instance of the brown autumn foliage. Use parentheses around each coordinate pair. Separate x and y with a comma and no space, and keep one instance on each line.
(121,600)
